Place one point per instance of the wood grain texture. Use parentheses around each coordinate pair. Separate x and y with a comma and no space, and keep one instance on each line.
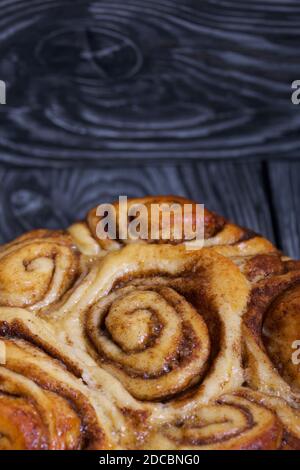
(55,198)
(100,80)
(106,96)
(285,187)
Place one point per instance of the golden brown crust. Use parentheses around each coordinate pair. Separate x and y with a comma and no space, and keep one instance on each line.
(123,344)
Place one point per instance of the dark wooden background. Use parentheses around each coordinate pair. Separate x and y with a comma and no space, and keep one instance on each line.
(138,97)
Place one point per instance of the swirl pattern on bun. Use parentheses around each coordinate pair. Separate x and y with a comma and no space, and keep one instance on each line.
(232,422)
(167,324)
(37,269)
(44,404)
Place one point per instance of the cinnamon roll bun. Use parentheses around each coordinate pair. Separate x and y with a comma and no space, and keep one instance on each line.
(37,269)
(161,320)
(145,344)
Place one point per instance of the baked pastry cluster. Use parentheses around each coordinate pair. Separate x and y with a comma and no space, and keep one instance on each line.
(136,344)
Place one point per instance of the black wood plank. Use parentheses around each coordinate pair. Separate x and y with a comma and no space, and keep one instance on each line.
(103,80)
(32,198)
(285,186)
